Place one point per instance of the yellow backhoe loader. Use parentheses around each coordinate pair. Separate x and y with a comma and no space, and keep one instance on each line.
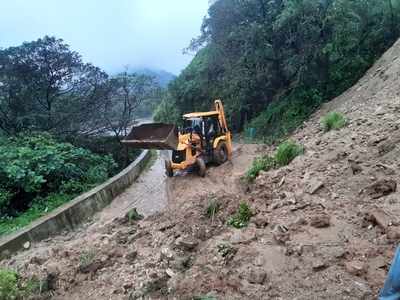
(204,138)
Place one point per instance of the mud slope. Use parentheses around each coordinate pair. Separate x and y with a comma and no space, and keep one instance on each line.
(324,227)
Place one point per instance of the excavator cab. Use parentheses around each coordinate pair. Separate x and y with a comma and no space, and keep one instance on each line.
(204,138)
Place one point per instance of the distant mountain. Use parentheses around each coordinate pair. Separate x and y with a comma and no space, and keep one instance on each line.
(162,77)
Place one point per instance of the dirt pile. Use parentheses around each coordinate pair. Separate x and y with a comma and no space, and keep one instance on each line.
(324,227)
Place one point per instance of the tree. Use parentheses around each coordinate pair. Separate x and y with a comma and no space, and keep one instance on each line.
(46,86)
(126,93)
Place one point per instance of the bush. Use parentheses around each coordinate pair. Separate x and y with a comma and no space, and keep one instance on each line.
(333,120)
(242,216)
(264,163)
(212,208)
(37,174)
(286,152)
(9,289)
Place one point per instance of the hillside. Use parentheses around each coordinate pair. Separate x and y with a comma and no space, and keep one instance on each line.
(163,78)
(324,227)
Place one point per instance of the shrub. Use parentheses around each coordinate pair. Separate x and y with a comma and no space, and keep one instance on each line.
(333,120)
(286,152)
(264,163)
(242,217)
(9,289)
(36,166)
(212,208)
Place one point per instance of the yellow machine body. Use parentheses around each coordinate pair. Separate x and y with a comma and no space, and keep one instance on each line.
(204,138)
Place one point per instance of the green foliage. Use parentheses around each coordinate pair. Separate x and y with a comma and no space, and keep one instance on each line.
(333,120)
(213,208)
(86,259)
(286,152)
(9,289)
(37,174)
(133,215)
(274,62)
(13,287)
(259,164)
(204,298)
(242,217)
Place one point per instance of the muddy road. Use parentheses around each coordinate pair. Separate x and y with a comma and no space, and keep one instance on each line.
(153,195)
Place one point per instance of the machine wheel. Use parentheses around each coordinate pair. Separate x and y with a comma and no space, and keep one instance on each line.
(221,153)
(168,168)
(201,167)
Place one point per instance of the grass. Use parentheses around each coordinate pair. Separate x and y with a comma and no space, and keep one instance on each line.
(285,153)
(13,287)
(204,298)
(86,258)
(213,208)
(242,217)
(333,121)
(39,208)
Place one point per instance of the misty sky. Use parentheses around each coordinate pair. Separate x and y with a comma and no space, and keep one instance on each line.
(109,33)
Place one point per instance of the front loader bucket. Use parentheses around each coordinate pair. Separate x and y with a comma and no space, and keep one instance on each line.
(153,136)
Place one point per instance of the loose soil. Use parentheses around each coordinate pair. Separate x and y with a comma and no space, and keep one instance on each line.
(324,227)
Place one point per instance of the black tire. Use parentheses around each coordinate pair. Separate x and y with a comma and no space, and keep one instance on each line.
(168,168)
(221,153)
(201,167)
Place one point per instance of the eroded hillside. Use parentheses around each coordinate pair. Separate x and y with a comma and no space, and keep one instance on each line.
(324,227)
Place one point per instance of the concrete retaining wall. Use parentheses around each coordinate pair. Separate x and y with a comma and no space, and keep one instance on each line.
(77,211)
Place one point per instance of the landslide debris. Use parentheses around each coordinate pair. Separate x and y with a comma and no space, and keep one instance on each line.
(323,227)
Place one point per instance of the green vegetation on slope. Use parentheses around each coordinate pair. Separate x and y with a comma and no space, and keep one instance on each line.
(274,62)
(333,120)
(285,153)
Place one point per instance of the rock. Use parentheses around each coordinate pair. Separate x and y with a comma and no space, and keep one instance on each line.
(355,167)
(393,234)
(281,234)
(186,244)
(38,260)
(170,273)
(131,256)
(166,254)
(50,281)
(256,275)
(356,268)
(381,188)
(313,186)
(27,245)
(380,218)
(318,265)
(320,220)
(181,263)
(260,221)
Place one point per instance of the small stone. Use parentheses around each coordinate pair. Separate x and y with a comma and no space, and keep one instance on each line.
(281,234)
(313,186)
(187,244)
(167,254)
(261,221)
(356,268)
(131,256)
(318,265)
(320,220)
(37,260)
(170,273)
(256,276)
(27,245)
